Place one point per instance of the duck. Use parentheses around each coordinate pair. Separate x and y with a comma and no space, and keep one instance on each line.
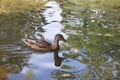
(43,45)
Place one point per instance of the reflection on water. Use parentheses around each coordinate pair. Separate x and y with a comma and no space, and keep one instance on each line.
(39,64)
(53,13)
(94,32)
(58,60)
(92,52)
(53,18)
(29,64)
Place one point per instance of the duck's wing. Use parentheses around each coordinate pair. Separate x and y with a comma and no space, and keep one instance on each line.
(43,42)
(35,43)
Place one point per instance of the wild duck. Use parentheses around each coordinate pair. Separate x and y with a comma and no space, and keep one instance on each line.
(43,45)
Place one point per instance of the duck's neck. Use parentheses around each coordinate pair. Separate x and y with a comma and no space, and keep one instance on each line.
(55,46)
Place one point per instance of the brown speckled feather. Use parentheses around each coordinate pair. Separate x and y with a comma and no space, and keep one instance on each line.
(38,45)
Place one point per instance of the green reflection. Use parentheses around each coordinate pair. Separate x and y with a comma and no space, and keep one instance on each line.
(18,17)
(93,26)
(61,75)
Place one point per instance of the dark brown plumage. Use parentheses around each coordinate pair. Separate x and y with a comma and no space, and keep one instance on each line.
(43,45)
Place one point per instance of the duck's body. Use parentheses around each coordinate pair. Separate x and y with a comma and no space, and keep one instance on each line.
(43,45)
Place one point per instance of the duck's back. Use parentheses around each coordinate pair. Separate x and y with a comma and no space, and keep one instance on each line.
(40,45)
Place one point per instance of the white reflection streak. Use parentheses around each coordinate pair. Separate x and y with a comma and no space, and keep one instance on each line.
(53,17)
(39,60)
(53,13)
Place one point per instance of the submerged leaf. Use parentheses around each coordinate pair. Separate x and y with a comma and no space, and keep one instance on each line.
(66,75)
(66,67)
(107,34)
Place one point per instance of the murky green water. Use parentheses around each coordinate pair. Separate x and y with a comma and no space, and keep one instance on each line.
(92,30)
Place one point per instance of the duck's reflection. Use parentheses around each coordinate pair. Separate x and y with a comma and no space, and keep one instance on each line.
(58,60)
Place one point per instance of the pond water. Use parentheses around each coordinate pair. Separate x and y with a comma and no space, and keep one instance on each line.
(92,50)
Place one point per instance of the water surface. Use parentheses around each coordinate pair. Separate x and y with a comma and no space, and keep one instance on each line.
(92,48)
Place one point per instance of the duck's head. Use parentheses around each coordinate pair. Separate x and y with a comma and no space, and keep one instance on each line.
(59,37)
